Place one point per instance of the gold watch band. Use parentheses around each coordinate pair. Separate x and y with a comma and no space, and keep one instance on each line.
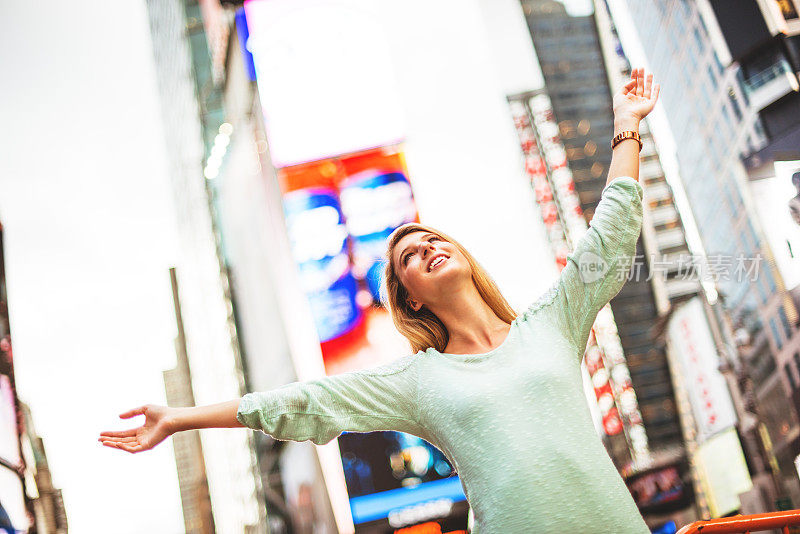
(628,134)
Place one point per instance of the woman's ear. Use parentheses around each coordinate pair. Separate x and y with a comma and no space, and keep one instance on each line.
(415,305)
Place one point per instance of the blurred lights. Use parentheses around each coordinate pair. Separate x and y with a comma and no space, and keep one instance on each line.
(222,140)
(226,129)
(218,151)
(711,294)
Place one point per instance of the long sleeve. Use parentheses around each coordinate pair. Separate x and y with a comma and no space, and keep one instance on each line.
(381,398)
(598,267)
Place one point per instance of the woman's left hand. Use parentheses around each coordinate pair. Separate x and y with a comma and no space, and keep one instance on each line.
(637,99)
(156,428)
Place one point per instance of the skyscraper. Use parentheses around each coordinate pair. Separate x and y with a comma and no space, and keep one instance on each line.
(712,112)
(191,119)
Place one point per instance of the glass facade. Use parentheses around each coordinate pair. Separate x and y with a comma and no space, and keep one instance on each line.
(714,125)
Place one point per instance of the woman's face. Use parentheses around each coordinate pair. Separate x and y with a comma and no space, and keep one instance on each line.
(427,266)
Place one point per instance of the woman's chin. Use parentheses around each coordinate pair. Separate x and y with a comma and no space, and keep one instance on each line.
(449,273)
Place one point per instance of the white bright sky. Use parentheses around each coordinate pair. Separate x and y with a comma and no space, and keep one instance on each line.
(88,241)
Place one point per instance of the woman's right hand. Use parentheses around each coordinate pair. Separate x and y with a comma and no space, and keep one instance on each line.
(156,428)
(636,99)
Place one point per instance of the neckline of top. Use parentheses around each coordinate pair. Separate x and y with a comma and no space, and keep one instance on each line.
(499,347)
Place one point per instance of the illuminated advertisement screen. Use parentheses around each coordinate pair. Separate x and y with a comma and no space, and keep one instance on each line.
(323,63)
(339,213)
(661,490)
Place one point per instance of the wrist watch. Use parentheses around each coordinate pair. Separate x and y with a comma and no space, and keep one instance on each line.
(628,134)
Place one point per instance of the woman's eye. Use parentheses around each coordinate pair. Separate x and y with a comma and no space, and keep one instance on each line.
(433,239)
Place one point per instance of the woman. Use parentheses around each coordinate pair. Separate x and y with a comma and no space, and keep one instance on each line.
(501,395)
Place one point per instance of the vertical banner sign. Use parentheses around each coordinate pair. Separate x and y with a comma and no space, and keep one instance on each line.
(612,424)
(723,472)
(690,336)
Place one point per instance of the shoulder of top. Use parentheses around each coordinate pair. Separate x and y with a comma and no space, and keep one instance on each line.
(547,298)
(394,367)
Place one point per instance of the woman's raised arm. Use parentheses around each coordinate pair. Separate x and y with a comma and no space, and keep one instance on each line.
(381,398)
(631,104)
(598,267)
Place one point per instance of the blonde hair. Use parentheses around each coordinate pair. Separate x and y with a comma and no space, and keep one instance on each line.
(422,328)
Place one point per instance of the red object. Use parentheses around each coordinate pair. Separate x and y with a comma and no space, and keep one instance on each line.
(744,524)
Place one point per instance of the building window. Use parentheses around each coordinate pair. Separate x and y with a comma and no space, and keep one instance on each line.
(763,293)
(787,9)
(755,241)
(717,62)
(740,82)
(775,334)
(759,128)
(789,376)
(787,329)
(768,276)
(734,103)
(698,40)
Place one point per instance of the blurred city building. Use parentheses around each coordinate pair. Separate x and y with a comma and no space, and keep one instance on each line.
(763,39)
(191,120)
(49,514)
(28,500)
(198,516)
(729,70)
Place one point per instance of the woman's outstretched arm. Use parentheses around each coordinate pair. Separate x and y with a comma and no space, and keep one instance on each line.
(382,398)
(163,421)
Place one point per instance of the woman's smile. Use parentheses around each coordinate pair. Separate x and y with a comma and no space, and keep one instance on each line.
(436,261)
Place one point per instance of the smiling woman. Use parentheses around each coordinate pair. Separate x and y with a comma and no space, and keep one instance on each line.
(487,387)
(425,268)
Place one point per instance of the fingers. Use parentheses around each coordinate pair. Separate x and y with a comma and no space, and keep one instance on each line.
(124,446)
(628,87)
(639,82)
(118,440)
(119,434)
(656,91)
(132,413)
(648,86)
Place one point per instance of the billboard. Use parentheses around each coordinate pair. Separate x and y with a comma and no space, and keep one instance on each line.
(325,64)
(339,213)
(661,489)
(723,472)
(690,336)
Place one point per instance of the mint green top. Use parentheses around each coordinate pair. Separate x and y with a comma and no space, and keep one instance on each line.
(514,421)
